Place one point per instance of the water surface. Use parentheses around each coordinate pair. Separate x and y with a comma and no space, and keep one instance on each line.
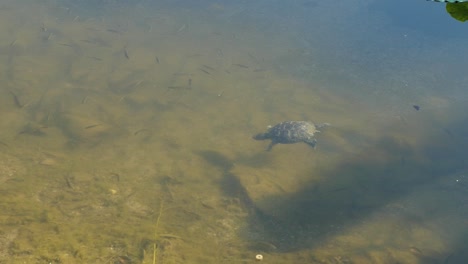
(127,132)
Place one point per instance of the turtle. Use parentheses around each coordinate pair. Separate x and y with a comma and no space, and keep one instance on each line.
(290,132)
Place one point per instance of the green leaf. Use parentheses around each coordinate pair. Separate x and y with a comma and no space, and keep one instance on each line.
(459,11)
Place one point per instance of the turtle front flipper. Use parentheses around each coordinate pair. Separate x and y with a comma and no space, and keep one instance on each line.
(311,142)
(272,144)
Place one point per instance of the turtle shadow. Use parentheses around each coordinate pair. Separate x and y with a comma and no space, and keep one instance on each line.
(217,159)
(352,191)
(355,190)
(229,183)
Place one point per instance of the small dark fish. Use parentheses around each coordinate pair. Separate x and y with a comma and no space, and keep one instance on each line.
(94,58)
(114,31)
(241,65)
(416,107)
(205,71)
(16,100)
(157,59)
(208,67)
(91,126)
(126,53)
(66,44)
(178,88)
(69,179)
(141,131)
(190,83)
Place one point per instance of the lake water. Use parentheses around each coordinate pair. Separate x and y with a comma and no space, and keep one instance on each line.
(126,132)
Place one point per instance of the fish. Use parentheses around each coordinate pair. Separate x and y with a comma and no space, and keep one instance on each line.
(208,67)
(449,1)
(241,65)
(91,126)
(416,107)
(94,58)
(126,53)
(114,31)
(179,88)
(205,71)
(16,100)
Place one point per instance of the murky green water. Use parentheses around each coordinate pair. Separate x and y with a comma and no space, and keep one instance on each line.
(126,138)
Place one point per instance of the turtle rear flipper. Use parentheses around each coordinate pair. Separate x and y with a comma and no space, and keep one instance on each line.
(318,126)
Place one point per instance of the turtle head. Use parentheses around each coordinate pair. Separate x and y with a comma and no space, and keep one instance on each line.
(261,136)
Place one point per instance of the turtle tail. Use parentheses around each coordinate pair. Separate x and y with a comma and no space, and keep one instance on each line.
(261,136)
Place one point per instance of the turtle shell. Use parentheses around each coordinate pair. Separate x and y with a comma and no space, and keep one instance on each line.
(290,132)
